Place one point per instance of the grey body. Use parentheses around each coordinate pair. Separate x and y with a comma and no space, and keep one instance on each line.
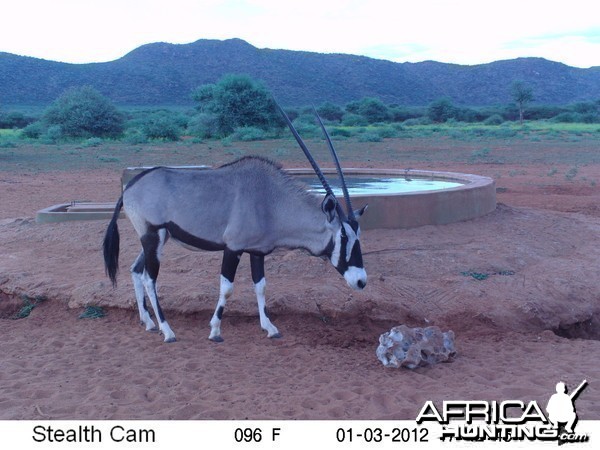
(249,205)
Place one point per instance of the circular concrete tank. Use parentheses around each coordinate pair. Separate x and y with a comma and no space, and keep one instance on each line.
(474,196)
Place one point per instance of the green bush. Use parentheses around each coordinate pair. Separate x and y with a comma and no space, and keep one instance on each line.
(370,136)
(441,110)
(14,120)
(161,126)
(354,120)
(33,130)
(387,131)
(249,134)
(238,101)
(53,134)
(306,125)
(331,112)
(495,119)
(340,132)
(135,136)
(204,126)
(371,109)
(84,112)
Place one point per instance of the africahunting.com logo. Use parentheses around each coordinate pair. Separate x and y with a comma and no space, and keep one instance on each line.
(510,420)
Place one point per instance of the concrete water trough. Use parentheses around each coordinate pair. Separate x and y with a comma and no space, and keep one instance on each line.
(397,198)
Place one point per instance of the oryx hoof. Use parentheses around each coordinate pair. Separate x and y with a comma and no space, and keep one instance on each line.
(172,339)
(216,339)
(275,336)
(154,329)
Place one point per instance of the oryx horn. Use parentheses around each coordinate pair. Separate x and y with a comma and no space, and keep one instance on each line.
(337,166)
(310,158)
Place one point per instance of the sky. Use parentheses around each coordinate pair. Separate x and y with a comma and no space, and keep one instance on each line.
(453,31)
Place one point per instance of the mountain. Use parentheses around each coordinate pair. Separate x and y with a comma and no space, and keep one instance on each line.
(165,74)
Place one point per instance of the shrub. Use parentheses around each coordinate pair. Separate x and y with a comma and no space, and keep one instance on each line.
(306,125)
(370,136)
(238,101)
(162,126)
(340,132)
(329,111)
(495,119)
(14,120)
(93,142)
(441,110)
(353,120)
(371,109)
(387,131)
(84,112)
(53,134)
(204,126)
(33,130)
(249,134)
(566,117)
(135,136)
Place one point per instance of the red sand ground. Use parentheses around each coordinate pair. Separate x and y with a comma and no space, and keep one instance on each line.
(543,237)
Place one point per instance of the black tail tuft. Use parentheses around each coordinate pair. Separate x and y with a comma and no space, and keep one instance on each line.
(111,245)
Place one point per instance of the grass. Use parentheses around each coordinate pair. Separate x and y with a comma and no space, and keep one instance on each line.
(555,143)
(29,303)
(92,312)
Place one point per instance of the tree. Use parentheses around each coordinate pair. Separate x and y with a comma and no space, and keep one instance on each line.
(522,95)
(441,110)
(84,112)
(372,109)
(237,101)
(329,111)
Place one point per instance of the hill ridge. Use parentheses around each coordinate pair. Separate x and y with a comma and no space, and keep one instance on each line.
(164,74)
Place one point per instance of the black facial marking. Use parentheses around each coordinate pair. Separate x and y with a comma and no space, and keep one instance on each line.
(356,256)
(328,250)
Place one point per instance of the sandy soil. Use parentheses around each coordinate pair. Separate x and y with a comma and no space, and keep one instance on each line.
(518,332)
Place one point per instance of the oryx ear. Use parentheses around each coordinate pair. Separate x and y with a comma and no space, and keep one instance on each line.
(328,206)
(361,211)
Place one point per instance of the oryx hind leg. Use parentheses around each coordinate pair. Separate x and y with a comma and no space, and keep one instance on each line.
(137,273)
(228,268)
(257,265)
(153,242)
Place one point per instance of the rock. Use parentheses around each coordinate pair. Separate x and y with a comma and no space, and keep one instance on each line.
(409,347)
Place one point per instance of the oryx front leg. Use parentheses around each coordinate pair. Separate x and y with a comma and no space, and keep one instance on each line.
(257,264)
(228,269)
(152,242)
(137,272)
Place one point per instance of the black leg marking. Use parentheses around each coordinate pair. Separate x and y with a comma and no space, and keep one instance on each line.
(257,265)
(230,264)
(138,265)
(150,243)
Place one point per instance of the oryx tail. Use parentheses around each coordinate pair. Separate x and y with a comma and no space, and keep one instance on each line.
(111,245)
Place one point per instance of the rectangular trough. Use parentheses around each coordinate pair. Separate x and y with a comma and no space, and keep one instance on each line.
(76,211)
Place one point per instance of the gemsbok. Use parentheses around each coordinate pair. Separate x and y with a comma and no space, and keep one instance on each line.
(248,206)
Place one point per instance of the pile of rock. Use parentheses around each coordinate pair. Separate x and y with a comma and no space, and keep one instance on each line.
(403,346)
